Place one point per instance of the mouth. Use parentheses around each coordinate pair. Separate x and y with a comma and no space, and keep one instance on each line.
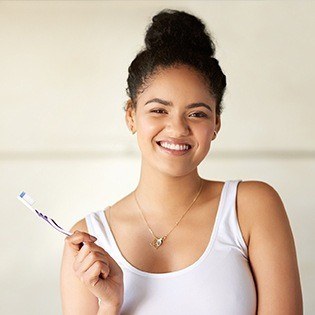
(175,150)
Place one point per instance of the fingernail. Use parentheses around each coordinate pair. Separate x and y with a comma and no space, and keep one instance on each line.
(92,238)
(94,284)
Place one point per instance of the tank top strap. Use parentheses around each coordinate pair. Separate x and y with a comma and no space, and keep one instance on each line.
(229,234)
(98,227)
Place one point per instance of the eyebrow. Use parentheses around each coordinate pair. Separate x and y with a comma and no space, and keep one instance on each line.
(167,103)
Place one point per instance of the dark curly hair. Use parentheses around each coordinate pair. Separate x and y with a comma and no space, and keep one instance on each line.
(176,38)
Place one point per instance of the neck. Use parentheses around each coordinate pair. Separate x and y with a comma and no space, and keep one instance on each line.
(165,197)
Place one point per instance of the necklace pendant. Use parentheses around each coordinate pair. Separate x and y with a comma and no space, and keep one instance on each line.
(157,242)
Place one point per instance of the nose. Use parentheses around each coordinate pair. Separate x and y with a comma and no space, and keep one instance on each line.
(177,126)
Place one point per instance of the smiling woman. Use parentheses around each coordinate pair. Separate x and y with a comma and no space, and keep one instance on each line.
(179,243)
(184,113)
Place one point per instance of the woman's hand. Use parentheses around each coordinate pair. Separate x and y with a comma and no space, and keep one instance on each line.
(96,269)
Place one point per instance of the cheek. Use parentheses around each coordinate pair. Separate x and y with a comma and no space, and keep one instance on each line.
(146,133)
(204,133)
(148,127)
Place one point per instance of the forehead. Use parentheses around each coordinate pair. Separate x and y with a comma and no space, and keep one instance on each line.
(180,83)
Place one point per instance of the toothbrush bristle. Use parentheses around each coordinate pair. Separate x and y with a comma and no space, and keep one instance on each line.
(27,198)
(28,202)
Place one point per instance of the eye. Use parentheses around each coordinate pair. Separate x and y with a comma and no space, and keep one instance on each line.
(157,111)
(200,114)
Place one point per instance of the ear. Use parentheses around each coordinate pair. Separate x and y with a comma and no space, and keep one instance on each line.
(217,124)
(130,116)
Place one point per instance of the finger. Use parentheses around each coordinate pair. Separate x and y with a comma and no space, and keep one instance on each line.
(89,260)
(86,249)
(77,238)
(80,256)
(115,268)
(98,270)
(90,247)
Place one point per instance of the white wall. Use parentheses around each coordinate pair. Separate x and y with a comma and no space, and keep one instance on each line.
(63,139)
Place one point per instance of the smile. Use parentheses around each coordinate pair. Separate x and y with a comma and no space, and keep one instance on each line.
(174,149)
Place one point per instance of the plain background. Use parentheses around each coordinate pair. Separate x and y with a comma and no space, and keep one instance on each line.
(63,138)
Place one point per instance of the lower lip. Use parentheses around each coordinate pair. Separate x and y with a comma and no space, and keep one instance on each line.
(173,152)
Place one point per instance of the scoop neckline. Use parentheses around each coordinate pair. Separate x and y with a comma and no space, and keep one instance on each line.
(175,273)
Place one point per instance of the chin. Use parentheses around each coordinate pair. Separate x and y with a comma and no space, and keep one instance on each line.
(172,170)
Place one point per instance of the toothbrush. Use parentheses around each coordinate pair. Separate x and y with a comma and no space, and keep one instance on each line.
(28,202)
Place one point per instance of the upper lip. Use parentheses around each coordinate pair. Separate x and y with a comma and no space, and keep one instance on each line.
(174,141)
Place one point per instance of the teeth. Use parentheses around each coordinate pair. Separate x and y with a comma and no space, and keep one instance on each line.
(174,146)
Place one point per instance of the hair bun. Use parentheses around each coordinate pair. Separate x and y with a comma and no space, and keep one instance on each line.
(178,29)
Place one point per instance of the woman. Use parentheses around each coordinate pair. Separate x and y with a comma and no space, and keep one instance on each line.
(181,244)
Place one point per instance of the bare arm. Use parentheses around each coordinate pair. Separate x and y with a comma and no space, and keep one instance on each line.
(271,250)
(77,299)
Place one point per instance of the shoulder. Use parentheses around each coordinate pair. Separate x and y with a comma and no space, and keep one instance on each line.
(79,226)
(259,203)
(272,252)
(85,223)
(257,195)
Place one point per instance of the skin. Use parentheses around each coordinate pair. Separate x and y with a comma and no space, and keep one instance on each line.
(178,181)
(167,185)
(89,273)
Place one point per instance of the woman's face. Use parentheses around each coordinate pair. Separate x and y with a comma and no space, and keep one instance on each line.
(165,114)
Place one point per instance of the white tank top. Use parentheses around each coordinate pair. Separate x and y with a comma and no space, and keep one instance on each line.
(220,282)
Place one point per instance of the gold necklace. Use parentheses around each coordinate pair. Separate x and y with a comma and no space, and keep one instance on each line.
(158,241)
